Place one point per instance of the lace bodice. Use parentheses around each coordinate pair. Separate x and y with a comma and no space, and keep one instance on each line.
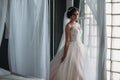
(75,34)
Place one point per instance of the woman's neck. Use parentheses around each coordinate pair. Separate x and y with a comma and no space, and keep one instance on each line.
(72,21)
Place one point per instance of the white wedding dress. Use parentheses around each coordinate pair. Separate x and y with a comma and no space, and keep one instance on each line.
(72,66)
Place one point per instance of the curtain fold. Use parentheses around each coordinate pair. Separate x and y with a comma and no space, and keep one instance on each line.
(29,38)
(3,12)
(95,40)
(101,21)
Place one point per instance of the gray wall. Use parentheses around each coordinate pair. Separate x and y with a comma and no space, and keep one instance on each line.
(56,23)
(60,8)
(4,53)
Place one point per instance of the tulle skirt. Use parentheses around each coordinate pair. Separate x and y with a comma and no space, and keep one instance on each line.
(72,66)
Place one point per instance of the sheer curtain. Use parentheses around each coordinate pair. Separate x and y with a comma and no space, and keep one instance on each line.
(28,36)
(3,12)
(101,22)
(95,40)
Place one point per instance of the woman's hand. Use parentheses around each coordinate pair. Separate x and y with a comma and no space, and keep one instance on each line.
(62,59)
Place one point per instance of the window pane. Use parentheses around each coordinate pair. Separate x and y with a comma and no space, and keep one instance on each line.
(108,42)
(115,76)
(116,66)
(116,43)
(108,19)
(115,0)
(87,9)
(112,19)
(87,21)
(108,53)
(108,8)
(93,30)
(116,8)
(109,31)
(116,32)
(108,75)
(116,20)
(108,65)
(108,0)
(116,55)
(93,41)
(87,15)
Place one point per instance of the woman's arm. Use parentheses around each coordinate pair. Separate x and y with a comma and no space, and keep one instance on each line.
(67,40)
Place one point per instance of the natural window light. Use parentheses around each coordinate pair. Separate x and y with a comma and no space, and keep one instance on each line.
(113,39)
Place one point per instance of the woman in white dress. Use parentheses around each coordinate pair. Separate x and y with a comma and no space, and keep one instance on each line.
(68,64)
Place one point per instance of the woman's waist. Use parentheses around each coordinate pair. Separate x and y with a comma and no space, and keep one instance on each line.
(75,42)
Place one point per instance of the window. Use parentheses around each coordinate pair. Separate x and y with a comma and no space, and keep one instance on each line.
(113,39)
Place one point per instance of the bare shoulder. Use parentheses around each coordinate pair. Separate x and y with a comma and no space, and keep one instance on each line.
(68,26)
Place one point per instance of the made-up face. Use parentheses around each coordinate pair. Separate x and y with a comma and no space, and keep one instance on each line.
(75,15)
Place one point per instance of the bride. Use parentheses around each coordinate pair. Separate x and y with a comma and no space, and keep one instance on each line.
(68,63)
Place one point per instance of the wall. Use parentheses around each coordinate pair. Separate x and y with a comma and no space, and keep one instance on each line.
(4,53)
(57,25)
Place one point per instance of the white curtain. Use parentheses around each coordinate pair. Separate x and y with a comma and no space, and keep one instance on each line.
(29,37)
(95,40)
(3,12)
(101,22)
